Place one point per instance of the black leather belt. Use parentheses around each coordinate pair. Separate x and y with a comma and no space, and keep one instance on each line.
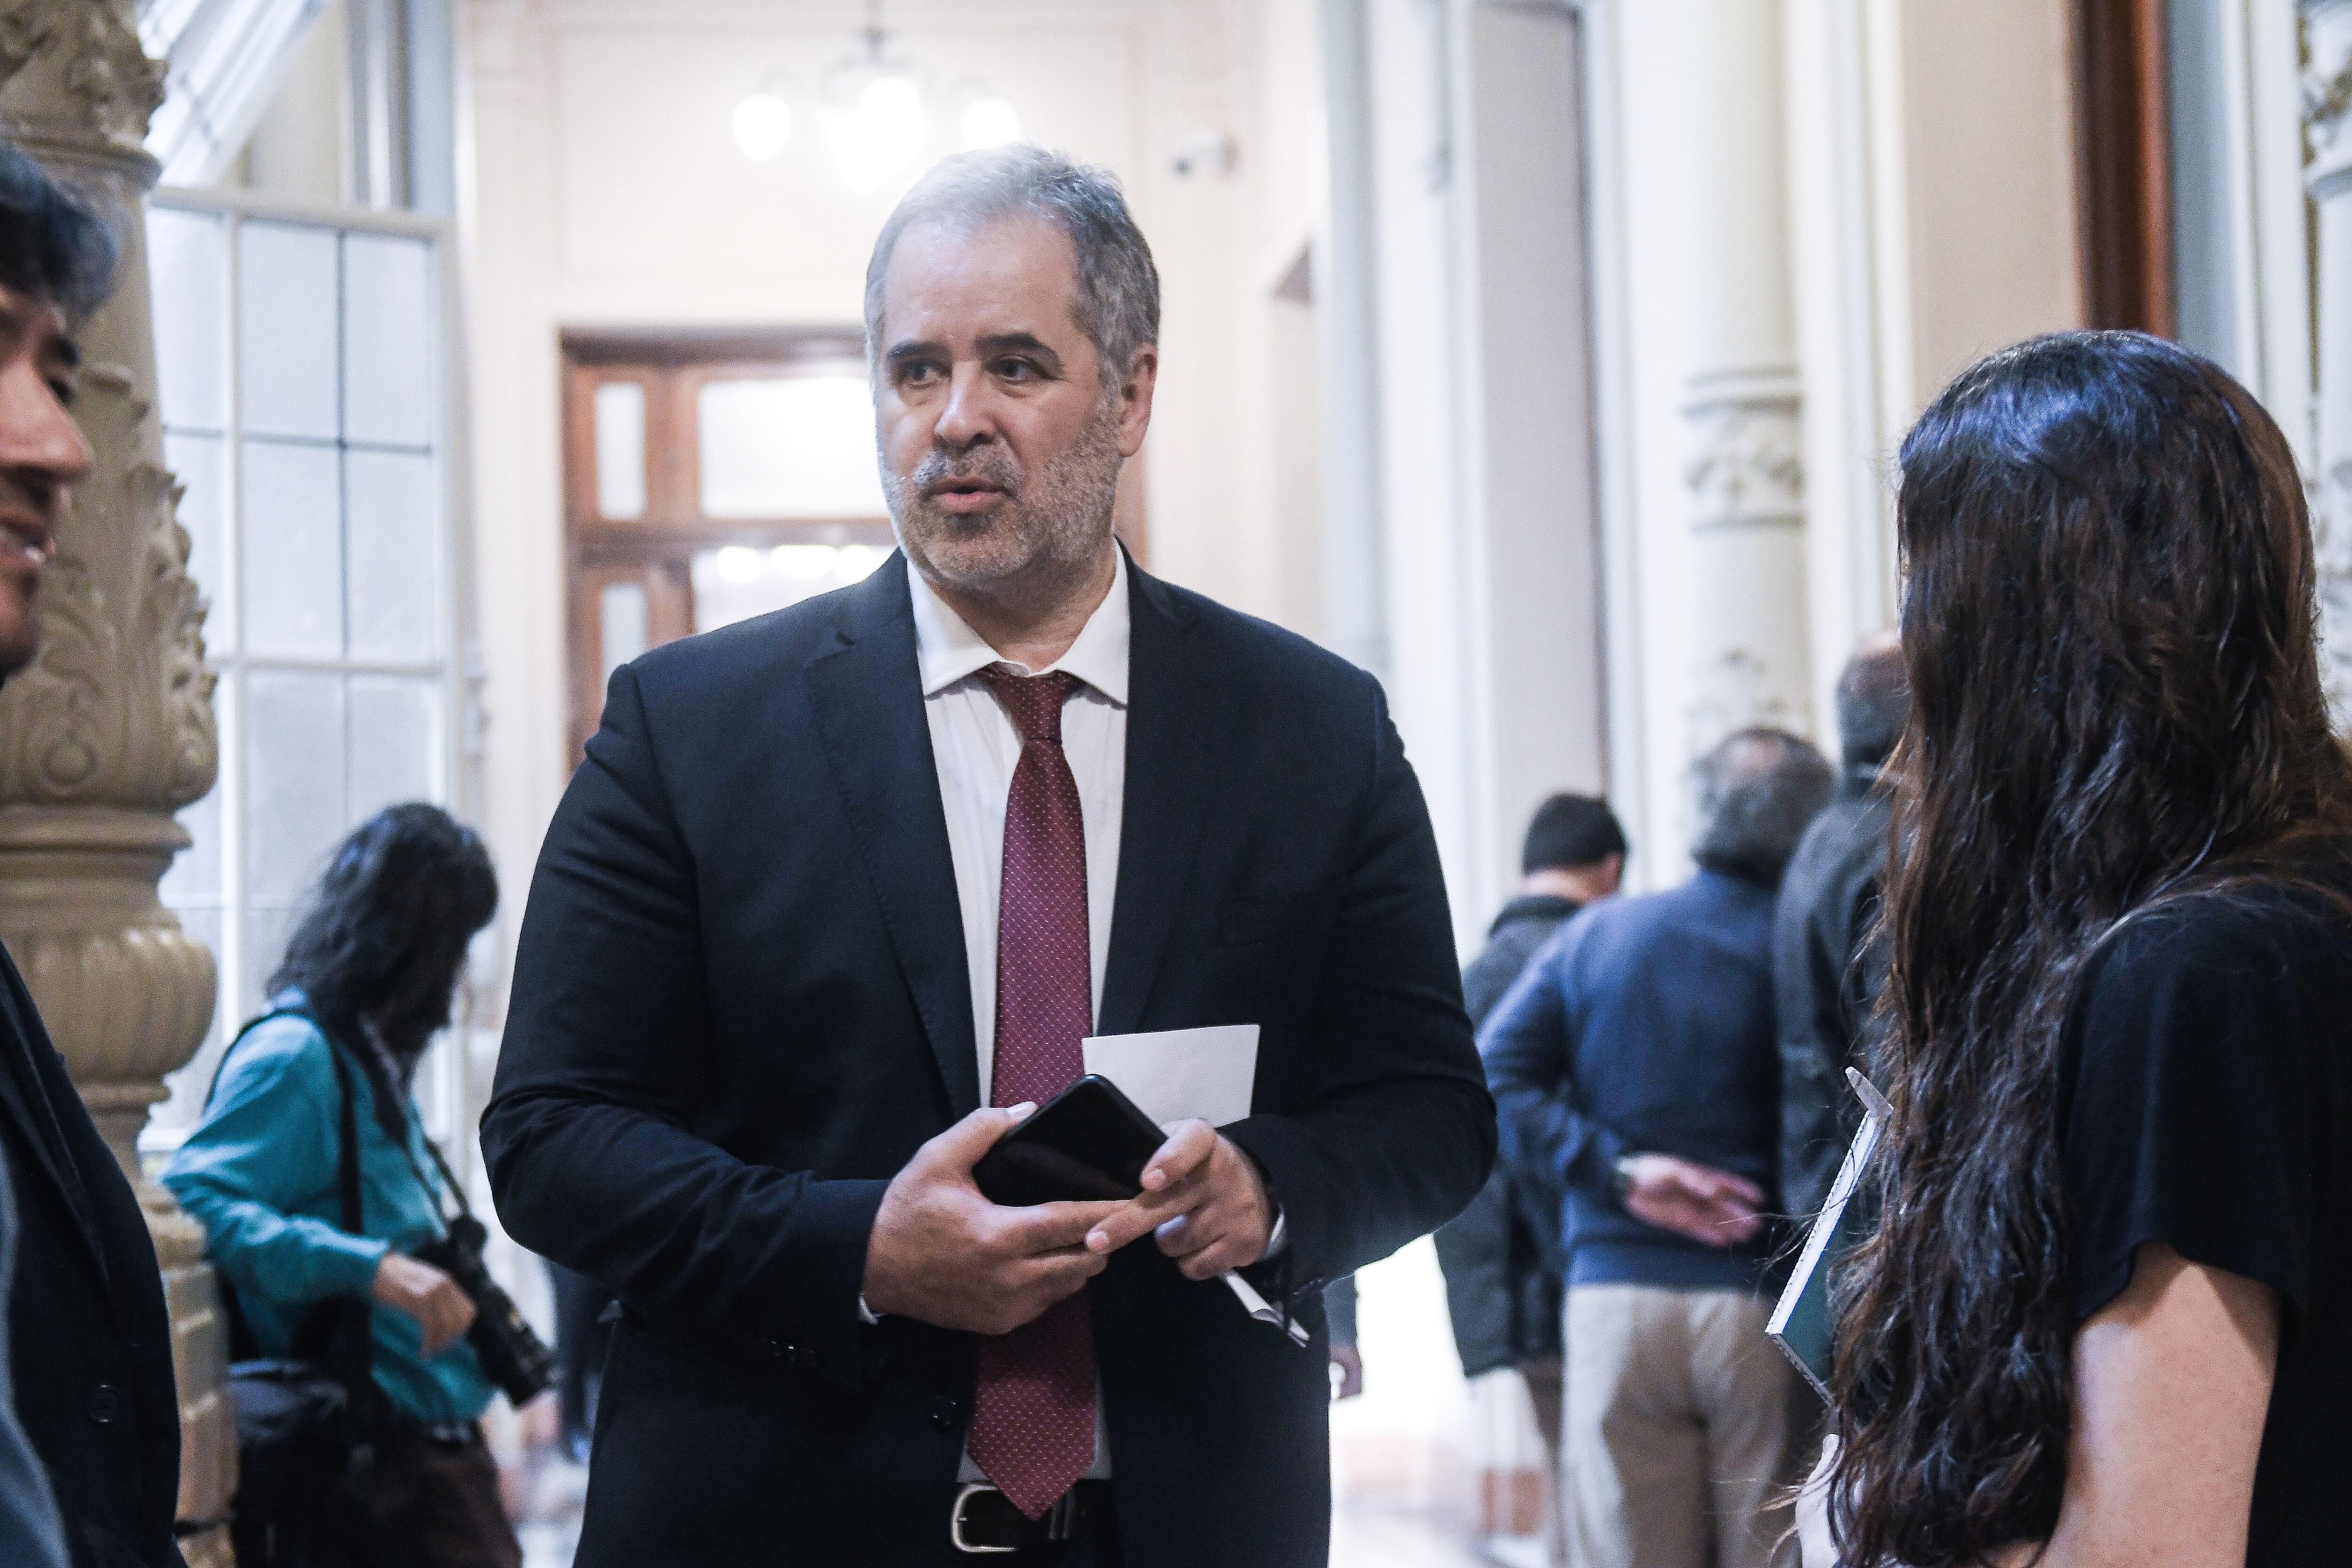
(985,1520)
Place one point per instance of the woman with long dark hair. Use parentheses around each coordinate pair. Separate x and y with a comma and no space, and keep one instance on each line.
(2106,1317)
(366,984)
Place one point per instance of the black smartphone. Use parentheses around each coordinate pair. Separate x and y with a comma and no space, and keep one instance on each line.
(1090,1142)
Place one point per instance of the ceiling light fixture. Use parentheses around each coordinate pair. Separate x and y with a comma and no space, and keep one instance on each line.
(871,110)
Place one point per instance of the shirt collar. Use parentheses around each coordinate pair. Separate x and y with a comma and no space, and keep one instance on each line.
(948,650)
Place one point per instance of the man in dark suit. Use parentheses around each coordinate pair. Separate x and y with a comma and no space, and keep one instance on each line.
(90,1346)
(833,899)
(1825,981)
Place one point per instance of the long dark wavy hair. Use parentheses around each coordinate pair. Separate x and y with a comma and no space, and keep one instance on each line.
(380,943)
(2109,620)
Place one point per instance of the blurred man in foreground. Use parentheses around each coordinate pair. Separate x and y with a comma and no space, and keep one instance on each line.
(90,1347)
(1633,1064)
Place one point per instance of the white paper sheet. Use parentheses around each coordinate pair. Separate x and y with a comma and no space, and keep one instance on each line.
(1176,1074)
(1179,1073)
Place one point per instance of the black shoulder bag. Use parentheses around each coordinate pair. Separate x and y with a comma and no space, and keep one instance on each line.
(306,1421)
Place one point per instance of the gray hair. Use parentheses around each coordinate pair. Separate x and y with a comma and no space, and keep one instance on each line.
(1117,301)
(1874,703)
(1757,793)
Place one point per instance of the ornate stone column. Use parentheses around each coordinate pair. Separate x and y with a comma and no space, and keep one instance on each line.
(2327,133)
(110,733)
(1743,402)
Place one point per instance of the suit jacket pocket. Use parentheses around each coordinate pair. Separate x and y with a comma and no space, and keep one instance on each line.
(1242,921)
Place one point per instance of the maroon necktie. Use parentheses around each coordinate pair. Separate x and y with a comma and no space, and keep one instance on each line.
(1032,1426)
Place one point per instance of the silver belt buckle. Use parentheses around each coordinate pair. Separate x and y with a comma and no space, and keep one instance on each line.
(964,1494)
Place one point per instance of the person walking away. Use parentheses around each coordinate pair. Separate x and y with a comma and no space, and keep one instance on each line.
(835,899)
(1504,1274)
(368,977)
(1634,1065)
(1824,978)
(2106,1315)
(89,1343)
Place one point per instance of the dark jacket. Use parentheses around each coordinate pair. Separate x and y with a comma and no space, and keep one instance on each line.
(89,1343)
(1824,983)
(1646,1025)
(740,1004)
(31,1534)
(1501,1256)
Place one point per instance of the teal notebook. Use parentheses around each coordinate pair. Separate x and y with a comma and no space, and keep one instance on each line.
(1800,1323)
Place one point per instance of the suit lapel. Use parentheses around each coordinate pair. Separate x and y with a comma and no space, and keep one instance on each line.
(868,695)
(1169,769)
(24,1105)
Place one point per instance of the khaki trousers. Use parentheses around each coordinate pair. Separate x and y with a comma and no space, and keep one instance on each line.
(1679,1430)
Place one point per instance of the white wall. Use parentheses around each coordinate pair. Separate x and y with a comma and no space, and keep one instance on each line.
(1933,220)
(602,188)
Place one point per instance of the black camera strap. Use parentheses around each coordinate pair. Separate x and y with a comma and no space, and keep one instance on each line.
(335,1335)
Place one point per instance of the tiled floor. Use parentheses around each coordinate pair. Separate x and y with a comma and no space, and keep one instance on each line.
(1359,1539)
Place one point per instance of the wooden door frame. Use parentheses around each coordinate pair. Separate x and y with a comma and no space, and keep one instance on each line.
(2123,165)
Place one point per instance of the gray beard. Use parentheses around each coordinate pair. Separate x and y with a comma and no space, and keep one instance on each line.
(1061,515)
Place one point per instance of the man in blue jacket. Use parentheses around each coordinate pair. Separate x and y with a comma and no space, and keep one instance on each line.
(1635,1064)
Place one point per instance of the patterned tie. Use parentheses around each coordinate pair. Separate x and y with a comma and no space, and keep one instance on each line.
(1032,1426)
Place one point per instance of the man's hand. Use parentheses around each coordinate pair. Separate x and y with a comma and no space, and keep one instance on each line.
(442,1310)
(1346,1372)
(1693,1200)
(941,1253)
(1205,1198)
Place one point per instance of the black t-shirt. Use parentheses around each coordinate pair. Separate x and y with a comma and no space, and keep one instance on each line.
(2207,1105)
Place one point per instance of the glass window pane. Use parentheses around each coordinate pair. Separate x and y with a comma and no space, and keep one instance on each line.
(395,556)
(396,743)
(196,462)
(623,624)
(621,451)
(388,339)
(794,447)
(294,781)
(293,587)
(188,274)
(267,927)
(286,330)
(194,878)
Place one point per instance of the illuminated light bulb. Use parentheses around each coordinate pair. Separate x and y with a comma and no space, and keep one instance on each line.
(739,563)
(763,123)
(882,136)
(990,122)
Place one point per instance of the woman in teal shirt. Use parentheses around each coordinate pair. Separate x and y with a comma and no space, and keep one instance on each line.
(372,964)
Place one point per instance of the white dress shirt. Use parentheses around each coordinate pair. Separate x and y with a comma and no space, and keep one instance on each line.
(976,747)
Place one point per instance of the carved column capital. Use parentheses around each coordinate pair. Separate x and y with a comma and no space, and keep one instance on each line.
(72,72)
(1749,466)
(1745,479)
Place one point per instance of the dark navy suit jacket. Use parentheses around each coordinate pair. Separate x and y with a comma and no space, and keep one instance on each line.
(740,1004)
(1644,1025)
(90,1346)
